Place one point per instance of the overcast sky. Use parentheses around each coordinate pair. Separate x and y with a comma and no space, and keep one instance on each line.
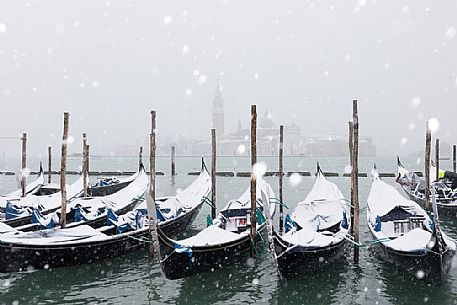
(110,62)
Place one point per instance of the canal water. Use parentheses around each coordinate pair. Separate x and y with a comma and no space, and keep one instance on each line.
(135,279)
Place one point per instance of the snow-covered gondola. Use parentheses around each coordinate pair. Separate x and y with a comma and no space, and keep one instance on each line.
(222,242)
(414,186)
(94,210)
(315,233)
(85,243)
(404,232)
(31,188)
(19,211)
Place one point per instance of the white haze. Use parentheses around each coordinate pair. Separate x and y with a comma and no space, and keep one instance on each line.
(110,62)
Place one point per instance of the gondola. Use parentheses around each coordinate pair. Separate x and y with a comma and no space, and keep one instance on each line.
(225,240)
(22,251)
(94,210)
(315,233)
(414,186)
(31,188)
(19,212)
(405,234)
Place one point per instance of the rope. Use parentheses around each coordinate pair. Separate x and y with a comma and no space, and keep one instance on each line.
(347,202)
(350,238)
(144,240)
(208,202)
(278,202)
(253,244)
(262,245)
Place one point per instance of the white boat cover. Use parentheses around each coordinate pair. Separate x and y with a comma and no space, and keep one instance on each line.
(188,198)
(115,201)
(262,188)
(310,238)
(382,199)
(51,201)
(78,234)
(322,208)
(30,189)
(212,235)
(4,228)
(414,240)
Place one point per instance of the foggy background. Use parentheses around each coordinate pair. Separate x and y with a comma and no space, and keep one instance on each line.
(110,62)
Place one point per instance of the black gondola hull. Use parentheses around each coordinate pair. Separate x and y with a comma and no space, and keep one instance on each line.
(443,208)
(22,258)
(295,259)
(177,265)
(102,190)
(418,263)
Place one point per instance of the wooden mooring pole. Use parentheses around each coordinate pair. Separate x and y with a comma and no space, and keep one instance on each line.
(140,156)
(49,164)
(63,169)
(428,144)
(355,177)
(24,164)
(151,203)
(253,177)
(85,172)
(173,161)
(437,158)
(454,157)
(87,163)
(281,174)
(213,173)
(351,153)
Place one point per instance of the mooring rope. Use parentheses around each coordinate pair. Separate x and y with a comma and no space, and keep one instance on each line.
(142,239)
(350,238)
(253,244)
(208,202)
(278,202)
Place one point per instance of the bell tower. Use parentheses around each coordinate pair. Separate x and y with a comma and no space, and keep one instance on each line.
(218,111)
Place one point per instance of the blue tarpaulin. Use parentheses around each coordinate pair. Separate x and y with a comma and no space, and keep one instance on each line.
(12,211)
(45,222)
(289,224)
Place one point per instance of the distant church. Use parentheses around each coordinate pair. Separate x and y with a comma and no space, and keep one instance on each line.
(237,143)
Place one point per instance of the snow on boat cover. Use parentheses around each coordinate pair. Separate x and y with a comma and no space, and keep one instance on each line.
(390,215)
(323,208)
(51,201)
(30,189)
(215,234)
(86,234)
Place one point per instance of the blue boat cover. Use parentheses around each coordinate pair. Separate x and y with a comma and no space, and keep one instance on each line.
(289,224)
(12,211)
(133,220)
(344,223)
(159,214)
(182,249)
(45,222)
(80,215)
(377,224)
